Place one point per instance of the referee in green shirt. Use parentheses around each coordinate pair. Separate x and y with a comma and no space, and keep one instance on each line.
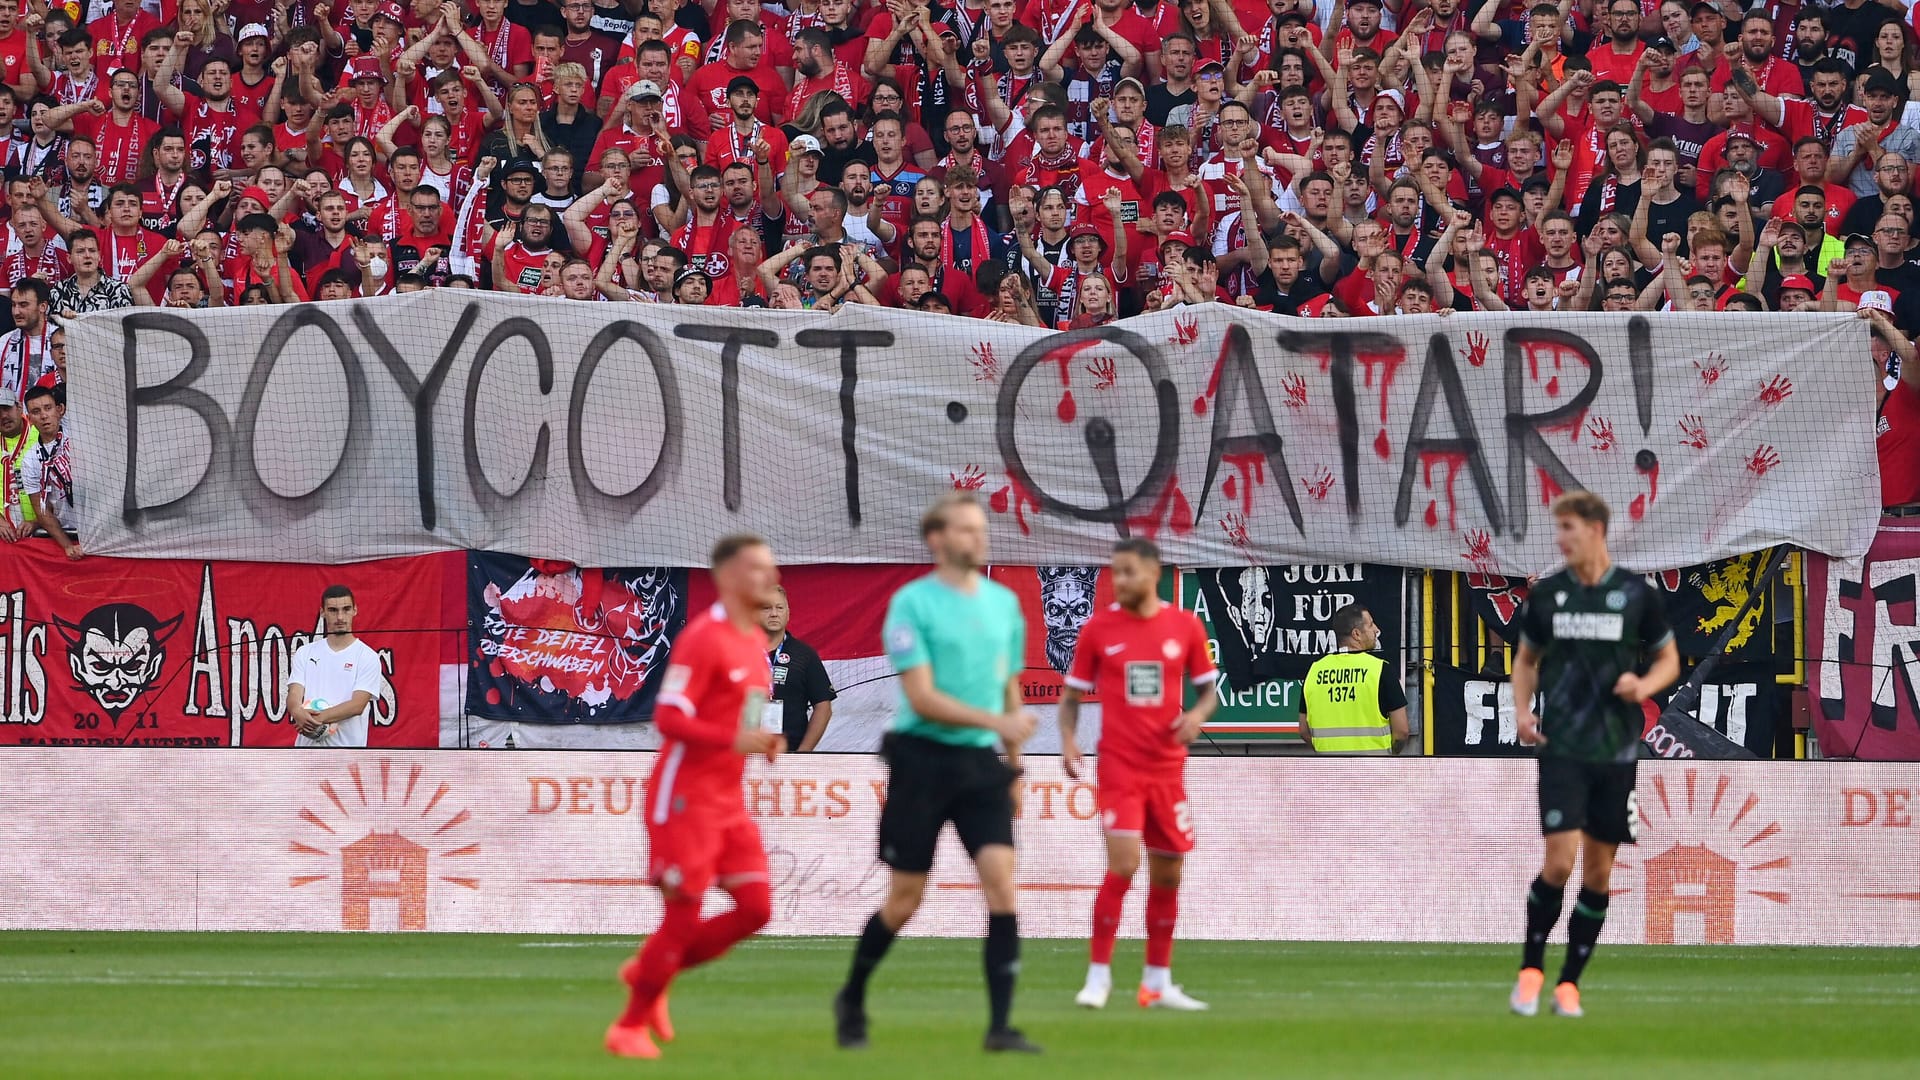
(958,641)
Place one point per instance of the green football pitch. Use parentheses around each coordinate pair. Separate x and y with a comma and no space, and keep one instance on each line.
(309,1005)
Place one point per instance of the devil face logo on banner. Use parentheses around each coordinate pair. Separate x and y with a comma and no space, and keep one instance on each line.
(1066,598)
(116,652)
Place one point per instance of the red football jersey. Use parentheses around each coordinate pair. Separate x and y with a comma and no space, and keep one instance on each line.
(717,683)
(1134,664)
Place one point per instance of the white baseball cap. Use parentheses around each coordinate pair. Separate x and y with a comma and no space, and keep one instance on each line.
(1876,299)
(252,30)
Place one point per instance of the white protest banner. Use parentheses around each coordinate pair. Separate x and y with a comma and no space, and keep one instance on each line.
(632,434)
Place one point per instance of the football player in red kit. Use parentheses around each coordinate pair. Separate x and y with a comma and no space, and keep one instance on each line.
(1134,654)
(710,713)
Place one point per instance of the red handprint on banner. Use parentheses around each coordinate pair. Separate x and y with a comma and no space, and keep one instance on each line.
(1319,484)
(1776,390)
(1479,552)
(1475,354)
(986,366)
(1711,371)
(1185,331)
(1235,526)
(1295,388)
(1600,429)
(1763,460)
(1104,373)
(972,478)
(1693,432)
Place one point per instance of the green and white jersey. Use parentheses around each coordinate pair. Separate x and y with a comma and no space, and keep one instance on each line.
(1587,637)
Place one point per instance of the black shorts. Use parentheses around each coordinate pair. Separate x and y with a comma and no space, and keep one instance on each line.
(1595,797)
(931,783)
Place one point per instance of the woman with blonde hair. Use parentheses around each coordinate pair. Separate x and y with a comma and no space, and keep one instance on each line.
(808,118)
(520,135)
(210,41)
(1092,303)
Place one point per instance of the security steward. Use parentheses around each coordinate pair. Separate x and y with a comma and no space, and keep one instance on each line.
(803,693)
(1353,704)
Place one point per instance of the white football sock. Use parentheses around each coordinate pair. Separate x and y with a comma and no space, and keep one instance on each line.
(1156,978)
(1100,975)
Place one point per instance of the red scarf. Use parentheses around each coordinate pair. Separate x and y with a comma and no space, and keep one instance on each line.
(1012,89)
(1146,138)
(497,47)
(368,122)
(67,89)
(839,80)
(699,241)
(742,146)
(1058,170)
(1053,23)
(799,20)
(120,41)
(978,250)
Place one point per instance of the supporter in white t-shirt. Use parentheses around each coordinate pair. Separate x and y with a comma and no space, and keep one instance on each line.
(338,675)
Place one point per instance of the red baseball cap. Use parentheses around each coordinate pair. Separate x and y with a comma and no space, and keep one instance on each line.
(1086,228)
(1797,281)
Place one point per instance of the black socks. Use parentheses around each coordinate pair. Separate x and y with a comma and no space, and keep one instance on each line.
(1543,911)
(1002,956)
(875,940)
(1583,929)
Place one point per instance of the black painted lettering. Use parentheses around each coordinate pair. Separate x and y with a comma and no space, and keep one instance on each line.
(1100,431)
(1640,361)
(1340,348)
(259,493)
(491,500)
(177,391)
(730,339)
(421,393)
(1441,377)
(605,507)
(1241,388)
(849,342)
(1525,444)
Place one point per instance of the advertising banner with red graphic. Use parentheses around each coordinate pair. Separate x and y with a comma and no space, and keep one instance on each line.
(1863,631)
(551,843)
(169,652)
(557,644)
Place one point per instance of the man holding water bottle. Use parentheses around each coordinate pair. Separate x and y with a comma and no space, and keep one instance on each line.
(333,680)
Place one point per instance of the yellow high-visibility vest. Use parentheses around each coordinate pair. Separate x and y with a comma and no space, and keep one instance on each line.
(1343,705)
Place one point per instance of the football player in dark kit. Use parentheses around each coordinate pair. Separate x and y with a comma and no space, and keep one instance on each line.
(1594,639)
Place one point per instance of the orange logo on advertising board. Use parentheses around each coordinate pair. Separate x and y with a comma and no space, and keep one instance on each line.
(384,845)
(1720,846)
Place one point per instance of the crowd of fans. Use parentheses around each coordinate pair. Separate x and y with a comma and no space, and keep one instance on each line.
(1057,163)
